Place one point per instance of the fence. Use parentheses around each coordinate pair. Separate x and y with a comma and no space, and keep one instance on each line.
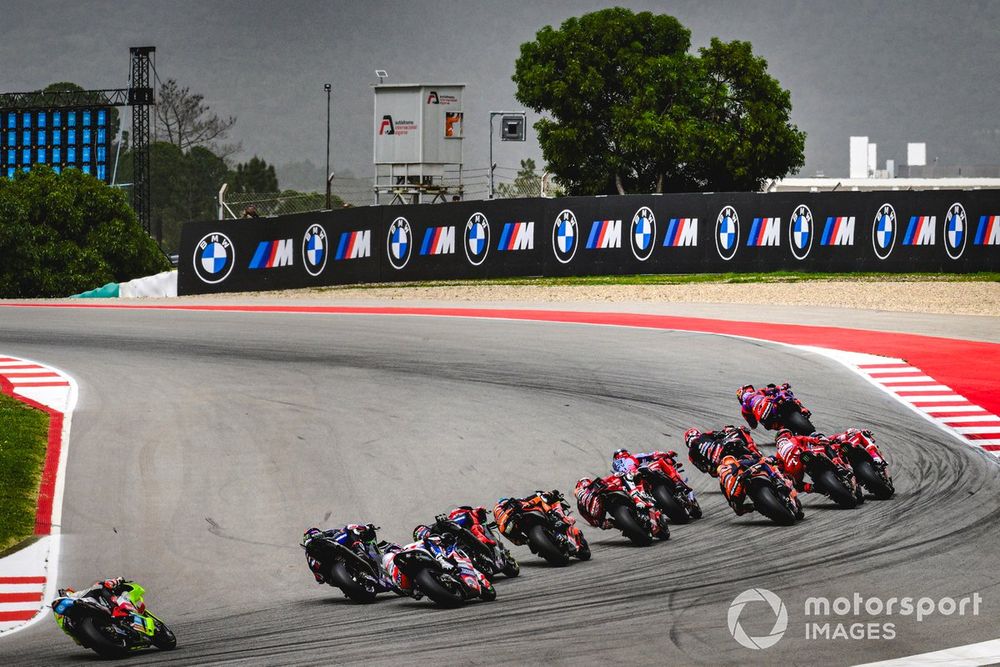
(931,231)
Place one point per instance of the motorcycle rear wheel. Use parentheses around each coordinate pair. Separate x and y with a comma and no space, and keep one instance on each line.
(343,580)
(828,482)
(666,501)
(446,597)
(798,423)
(869,477)
(767,502)
(98,642)
(545,546)
(627,522)
(583,551)
(511,569)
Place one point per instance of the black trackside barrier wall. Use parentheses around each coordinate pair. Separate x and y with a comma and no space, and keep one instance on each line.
(930,231)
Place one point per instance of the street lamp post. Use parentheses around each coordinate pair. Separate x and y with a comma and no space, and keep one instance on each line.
(329,199)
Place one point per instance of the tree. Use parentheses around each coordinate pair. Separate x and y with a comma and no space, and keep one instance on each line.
(631,110)
(184,120)
(254,176)
(65,233)
(526,183)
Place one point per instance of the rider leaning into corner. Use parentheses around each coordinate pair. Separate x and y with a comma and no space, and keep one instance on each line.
(363,533)
(757,405)
(790,447)
(421,536)
(707,449)
(472,518)
(115,592)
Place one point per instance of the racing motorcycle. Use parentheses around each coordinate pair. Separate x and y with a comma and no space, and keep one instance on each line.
(630,508)
(669,490)
(831,475)
(347,565)
(111,632)
(789,412)
(872,472)
(544,525)
(439,570)
(490,559)
(772,492)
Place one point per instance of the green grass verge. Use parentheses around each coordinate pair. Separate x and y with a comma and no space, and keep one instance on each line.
(23,440)
(691,278)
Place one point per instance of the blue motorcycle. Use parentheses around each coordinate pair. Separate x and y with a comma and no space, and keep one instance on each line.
(347,563)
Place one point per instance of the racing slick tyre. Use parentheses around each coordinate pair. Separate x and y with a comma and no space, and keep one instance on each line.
(627,522)
(694,509)
(99,642)
(583,553)
(666,501)
(869,477)
(511,569)
(828,483)
(545,546)
(767,502)
(664,532)
(798,423)
(164,638)
(353,589)
(489,594)
(444,595)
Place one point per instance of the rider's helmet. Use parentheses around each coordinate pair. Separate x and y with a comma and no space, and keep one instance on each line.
(742,391)
(480,514)
(691,436)
(582,483)
(310,534)
(367,533)
(782,434)
(620,454)
(420,532)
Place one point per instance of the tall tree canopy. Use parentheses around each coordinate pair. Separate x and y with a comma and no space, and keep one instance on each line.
(256,175)
(183,119)
(630,109)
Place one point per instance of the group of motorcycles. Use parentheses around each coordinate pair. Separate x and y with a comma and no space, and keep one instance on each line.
(455,559)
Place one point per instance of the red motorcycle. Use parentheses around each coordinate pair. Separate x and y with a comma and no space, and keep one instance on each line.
(631,509)
(661,478)
(831,474)
(872,472)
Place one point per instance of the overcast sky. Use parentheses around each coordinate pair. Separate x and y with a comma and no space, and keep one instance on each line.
(895,71)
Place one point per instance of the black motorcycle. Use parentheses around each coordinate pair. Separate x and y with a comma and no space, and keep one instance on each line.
(345,564)
(670,493)
(544,524)
(488,559)
(89,621)
(832,476)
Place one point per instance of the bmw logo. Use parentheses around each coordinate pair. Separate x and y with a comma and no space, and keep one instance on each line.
(564,236)
(399,242)
(955,225)
(643,233)
(477,239)
(314,251)
(214,258)
(727,232)
(884,231)
(800,232)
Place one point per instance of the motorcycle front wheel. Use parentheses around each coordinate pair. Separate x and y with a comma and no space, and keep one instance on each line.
(445,595)
(164,638)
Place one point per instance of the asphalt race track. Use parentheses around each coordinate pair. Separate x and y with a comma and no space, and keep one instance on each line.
(204,443)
